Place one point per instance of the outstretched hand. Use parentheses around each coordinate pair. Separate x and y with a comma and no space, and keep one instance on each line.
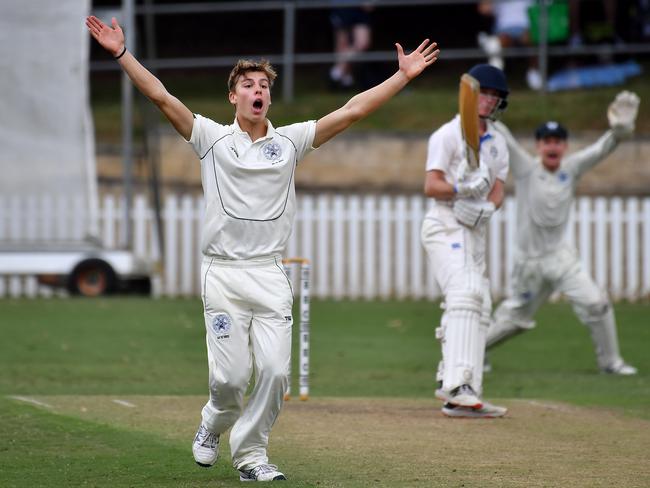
(622,112)
(110,38)
(414,63)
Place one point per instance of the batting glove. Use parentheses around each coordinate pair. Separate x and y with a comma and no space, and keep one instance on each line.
(622,113)
(473,213)
(475,184)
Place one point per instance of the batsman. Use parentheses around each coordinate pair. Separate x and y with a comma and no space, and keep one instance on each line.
(545,262)
(467,165)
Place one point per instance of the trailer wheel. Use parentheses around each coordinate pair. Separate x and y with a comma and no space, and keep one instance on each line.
(92,278)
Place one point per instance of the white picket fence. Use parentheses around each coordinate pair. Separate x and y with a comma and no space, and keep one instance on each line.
(361,246)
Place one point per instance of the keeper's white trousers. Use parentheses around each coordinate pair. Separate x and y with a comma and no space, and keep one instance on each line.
(457,256)
(247,309)
(533,282)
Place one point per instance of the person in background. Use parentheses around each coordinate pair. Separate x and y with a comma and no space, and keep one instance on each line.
(545,262)
(352,35)
(511,29)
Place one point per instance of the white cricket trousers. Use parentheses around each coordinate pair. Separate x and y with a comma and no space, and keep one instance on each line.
(534,279)
(247,307)
(457,256)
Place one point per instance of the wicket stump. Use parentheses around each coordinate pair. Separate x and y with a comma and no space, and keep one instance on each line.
(303,362)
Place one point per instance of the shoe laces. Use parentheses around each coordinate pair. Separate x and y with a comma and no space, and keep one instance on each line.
(205,438)
(263,469)
(463,389)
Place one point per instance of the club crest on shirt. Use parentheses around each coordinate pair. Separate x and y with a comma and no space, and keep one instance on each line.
(272,151)
(494,152)
(221,324)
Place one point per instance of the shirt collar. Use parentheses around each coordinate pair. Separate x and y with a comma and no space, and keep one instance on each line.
(270,130)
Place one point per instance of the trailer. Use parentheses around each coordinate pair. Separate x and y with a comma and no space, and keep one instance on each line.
(82,268)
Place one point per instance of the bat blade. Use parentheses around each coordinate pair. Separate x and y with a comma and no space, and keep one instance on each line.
(468,110)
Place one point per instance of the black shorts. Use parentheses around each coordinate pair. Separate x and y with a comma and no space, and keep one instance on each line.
(344,18)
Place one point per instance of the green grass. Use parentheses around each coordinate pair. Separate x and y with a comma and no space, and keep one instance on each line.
(420,108)
(40,449)
(135,346)
(153,347)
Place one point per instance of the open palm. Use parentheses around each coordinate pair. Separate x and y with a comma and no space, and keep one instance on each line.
(110,38)
(414,63)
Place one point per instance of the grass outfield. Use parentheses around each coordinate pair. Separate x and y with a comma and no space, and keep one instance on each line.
(426,104)
(371,421)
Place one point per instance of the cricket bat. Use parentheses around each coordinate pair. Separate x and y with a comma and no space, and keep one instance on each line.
(468,110)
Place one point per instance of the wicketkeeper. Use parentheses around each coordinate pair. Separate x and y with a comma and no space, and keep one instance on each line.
(247,172)
(453,233)
(545,262)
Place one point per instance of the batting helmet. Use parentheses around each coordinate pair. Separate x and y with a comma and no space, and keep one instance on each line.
(491,77)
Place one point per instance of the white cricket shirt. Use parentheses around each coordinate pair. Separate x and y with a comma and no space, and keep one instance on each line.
(544,198)
(249,186)
(446,152)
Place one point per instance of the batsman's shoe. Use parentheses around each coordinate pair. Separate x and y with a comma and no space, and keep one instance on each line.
(205,447)
(263,472)
(441,394)
(487,411)
(464,396)
(622,369)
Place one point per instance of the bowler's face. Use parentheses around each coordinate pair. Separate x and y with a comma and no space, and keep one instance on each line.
(252,96)
(551,150)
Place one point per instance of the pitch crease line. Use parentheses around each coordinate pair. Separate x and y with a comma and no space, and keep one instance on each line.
(124,403)
(33,401)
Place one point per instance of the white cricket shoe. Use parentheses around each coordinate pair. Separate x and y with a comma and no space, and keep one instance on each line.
(464,396)
(487,411)
(441,394)
(263,472)
(205,447)
(621,368)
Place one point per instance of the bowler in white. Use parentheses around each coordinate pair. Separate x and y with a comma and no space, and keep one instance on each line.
(247,170)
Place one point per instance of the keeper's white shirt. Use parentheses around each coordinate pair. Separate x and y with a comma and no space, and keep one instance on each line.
(544,198)
(249,186)
(446,151)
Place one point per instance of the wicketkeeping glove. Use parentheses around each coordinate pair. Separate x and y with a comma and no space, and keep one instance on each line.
(622,113)
(475,184)
(472,212)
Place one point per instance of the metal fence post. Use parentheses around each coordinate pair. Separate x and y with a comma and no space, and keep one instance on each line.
(127,124)
(288,50)
(543,43)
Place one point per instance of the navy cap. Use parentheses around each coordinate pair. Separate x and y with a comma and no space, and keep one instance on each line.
(551,129)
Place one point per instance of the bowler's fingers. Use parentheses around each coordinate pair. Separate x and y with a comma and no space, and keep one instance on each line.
(429,49)
(116,26)
(400,49)
(433,57)
(422,46)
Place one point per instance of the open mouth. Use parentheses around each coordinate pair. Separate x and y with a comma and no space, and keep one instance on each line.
(258,104)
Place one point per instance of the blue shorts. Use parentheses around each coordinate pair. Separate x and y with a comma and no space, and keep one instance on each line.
(344,18)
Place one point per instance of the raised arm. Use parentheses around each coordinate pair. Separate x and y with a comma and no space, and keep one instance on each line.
(112,39)
(364,103)
(521,162)
(621,113)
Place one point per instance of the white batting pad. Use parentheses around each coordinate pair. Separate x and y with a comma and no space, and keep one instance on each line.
(605,339)
(484,321)
(462,344)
